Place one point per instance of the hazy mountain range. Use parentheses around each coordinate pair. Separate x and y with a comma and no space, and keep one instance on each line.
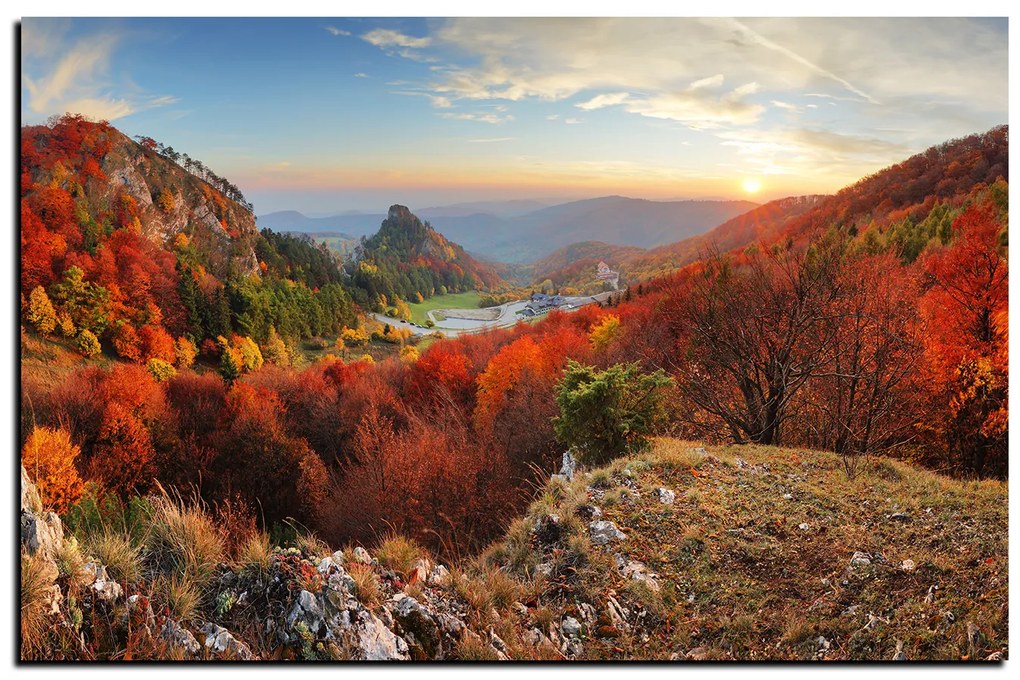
(525,231)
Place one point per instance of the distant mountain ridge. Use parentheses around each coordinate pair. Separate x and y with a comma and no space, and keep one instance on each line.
(520,237)
(948,173)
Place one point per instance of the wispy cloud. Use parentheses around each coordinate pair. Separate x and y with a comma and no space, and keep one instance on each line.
(785,51)
(361,74)
(787,106)
(76,78)
(384,37)
(491,117)
(604,100)
(810,150)
(337,31)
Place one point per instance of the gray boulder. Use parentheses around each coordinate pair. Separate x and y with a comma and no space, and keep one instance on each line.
(219,640)
(179,636)
(603,532)
(418,626)
(374,641)
(307,610)
(666,496)
(570,627)
(361,555)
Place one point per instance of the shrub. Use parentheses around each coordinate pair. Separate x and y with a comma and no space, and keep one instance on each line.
(354,337)
(409,354)
(606,414)
(126,342)
(88,343)
(49,458)
(160,370)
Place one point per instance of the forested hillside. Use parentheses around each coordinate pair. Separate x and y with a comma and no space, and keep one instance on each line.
(124,248)
(409,260)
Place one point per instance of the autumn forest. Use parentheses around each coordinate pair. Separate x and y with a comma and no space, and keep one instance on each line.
(177,359)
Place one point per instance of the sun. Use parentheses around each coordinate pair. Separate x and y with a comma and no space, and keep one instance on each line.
(751,185)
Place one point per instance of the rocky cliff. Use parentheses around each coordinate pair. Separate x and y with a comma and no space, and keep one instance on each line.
(88,178)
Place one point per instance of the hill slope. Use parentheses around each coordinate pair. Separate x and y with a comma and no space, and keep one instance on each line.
(903,194)
(137,247)
(684,553)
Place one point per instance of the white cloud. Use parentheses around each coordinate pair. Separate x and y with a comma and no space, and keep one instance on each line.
(337,31)
(656,66)
(493,117)
(552,116)
(490,140)
(604,100)
(707,83)
(76,79)
(384,37)
(787,106)
(361,75)
(572,121)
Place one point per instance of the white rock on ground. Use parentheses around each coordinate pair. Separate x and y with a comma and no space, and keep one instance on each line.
(603,532)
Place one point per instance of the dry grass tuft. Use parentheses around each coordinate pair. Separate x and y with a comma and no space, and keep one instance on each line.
(123,559)
(35,586)
(181,595)
(255,553)
(398,553)
(184,541)
(366,584)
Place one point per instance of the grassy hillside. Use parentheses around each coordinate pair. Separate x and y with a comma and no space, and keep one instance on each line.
(712,553)
(755,558)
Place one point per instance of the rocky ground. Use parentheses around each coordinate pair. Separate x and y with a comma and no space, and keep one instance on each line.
(684,553)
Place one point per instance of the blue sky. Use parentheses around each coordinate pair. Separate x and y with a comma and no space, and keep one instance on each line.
(325,115)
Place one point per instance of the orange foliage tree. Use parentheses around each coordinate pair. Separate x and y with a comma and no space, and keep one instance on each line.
(49,457)
(967,340)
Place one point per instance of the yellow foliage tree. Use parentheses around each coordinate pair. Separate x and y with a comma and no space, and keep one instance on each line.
(165,201)
(409,354)
(48,457)
(40,311)
(66,325)
(603,332)
(88,343)
(403,310)
(185,352)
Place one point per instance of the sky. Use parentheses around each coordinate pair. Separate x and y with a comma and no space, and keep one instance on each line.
(325,115)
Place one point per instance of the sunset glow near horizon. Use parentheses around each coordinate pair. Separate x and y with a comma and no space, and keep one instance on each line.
(327,115)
